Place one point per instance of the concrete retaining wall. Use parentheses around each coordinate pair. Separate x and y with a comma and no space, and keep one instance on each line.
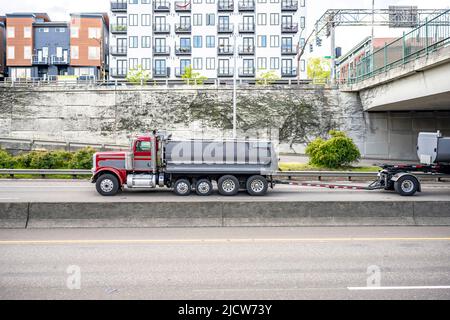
(224,214)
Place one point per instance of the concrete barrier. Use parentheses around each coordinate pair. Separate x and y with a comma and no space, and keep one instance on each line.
(224,214)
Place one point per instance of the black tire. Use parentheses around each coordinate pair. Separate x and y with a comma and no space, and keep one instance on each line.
(228,185)
(257,186)
(203,187)
(182,187)
(107,185)
(407,185)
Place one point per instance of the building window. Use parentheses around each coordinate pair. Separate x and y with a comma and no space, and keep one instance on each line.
(197,19)
(262,19)
(262,63)
(274,1)
(197,41)
(93,53)
(274,63)
(197,1)
(302,22)
(133,20)
(274,41)
(60,30)
(262,1)
(27,32)
(145,1)
(11,52)
(197,64)
(145,20)
(133,42)
(133,1)
(11,32)
(302,65)
(133,63)
(146,42)
(74,52)
(210,41)
(210,63)
(94,33)
(27,52)
(146,64)
(210,1)
(274,19)
(74,32)
(262,41)
(302,3)
(210,19)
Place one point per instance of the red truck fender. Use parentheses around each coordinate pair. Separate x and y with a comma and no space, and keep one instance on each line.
(121,175)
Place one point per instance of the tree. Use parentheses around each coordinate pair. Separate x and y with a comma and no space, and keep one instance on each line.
(267,78)
(138,75)
(319,69)
(191,77)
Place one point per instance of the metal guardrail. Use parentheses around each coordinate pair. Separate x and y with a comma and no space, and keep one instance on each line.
(45,172)
(65,144)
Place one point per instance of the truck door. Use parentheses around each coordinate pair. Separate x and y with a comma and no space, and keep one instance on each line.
(142,155)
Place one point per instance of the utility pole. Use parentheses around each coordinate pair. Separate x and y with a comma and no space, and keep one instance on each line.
(234,89)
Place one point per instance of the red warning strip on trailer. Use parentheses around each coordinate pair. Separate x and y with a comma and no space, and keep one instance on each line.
(321,185)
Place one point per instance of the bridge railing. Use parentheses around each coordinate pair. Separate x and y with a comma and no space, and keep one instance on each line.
(429,36)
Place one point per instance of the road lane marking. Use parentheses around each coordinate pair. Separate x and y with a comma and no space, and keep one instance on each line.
(260,240)
(400,288)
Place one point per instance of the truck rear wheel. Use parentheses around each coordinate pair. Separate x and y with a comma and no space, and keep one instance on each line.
(257,186)
(182,187)
(407,185)
(107,185)
(228,185)
(203,187)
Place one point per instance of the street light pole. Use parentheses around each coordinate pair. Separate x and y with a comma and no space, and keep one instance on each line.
(234,90)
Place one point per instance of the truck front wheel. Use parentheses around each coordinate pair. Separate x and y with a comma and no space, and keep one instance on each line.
(228,185)
(407,185)
(107,185)
(257,186)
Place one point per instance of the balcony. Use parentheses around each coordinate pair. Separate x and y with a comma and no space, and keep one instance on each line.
(289,27)
(225,28)
(225,5)
(161,6)
(247,50)
(225,50)
(41,60)
(60,60)
(118,72)
(289,5)
(246,5)
(118,50)
(118,6)
(118,28)
(288,72)
(161,72)
(288,50)
(183,6)
(246,28)
(183,28)
(225,72)
(183,50)
(161,28)
(161,50)
(247,72)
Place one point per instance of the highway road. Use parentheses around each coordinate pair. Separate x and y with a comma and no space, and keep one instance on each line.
(231,263)
(84,191)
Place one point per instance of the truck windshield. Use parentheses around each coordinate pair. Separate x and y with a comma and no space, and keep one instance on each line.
(143,146)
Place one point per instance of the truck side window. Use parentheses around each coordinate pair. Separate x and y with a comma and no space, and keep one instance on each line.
(143,146)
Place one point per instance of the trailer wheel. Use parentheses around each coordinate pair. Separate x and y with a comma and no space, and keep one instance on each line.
(107,185)
(228,185)
(182,187)
(257,186)
(203,187)
(407,185)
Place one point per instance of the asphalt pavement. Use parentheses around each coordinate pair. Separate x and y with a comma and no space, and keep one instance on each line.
(234,263)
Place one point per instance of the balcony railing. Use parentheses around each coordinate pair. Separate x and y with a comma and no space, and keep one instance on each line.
(225,72)
(118,72)
(246,5)
(40,60)
(183,50)
(161,28)
(246,27)
(118,28)
(161,72)
(60,60)
(118,6)
(225,50)
(289,5)
(247,49)
(161,50)
(288,72)
(227,5)
(182,28)
(118,50)
(161,6)
(289,27)
(225,28)
(247,72)
(288,50)
(183,6)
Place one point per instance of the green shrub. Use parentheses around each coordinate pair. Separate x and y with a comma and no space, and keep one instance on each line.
(6,160)
(82,159)
(338,151)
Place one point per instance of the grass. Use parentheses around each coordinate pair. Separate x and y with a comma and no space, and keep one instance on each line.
(288,166)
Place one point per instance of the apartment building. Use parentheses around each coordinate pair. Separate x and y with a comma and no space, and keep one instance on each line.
(37,47)
(217,38)
(2,47)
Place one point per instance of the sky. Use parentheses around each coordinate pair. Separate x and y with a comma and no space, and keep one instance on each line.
(345,37)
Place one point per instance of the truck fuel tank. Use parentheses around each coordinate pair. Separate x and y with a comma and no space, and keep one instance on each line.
(141,181)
